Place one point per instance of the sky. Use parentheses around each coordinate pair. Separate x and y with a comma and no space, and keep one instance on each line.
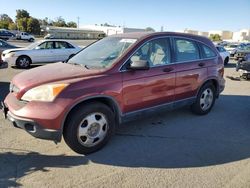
(172,15)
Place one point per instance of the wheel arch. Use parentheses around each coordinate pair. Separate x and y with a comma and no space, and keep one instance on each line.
(215,83)
(107,100)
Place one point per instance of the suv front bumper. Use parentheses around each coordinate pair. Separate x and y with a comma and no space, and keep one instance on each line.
(37,121)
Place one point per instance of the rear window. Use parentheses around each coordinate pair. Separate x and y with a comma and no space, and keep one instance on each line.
(208,52)
(186,50)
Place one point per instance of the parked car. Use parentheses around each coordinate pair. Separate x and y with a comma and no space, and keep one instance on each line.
(4,46)
(243,67)
(224,54)
(5,34)
(242,52)
(116,79)
(25,36)
(232,49)
(45,51)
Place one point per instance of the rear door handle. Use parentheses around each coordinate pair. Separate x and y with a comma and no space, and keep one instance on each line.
(201,64)
(168,69)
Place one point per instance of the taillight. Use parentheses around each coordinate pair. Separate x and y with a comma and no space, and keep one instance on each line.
(221,71)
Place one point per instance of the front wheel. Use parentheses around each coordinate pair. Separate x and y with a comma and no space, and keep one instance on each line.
(23,62)
(89,128)
(205,100)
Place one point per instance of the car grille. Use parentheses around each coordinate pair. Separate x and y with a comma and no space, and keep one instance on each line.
(13,88)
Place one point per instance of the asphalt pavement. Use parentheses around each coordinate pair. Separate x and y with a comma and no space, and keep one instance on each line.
(169,149)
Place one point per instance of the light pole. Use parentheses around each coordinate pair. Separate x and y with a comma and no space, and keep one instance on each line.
(78,18)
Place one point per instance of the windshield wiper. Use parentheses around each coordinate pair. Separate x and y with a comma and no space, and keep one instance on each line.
(77,64)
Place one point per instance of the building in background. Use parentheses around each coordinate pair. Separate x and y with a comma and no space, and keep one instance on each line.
(238,36)
(71,33)
(225,35)
(111,30)
(242,35)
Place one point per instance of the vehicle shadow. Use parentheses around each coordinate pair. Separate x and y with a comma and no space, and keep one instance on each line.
(18,164)
(179,139)
(171,139)
(31,67)
(4,90)
(4,66)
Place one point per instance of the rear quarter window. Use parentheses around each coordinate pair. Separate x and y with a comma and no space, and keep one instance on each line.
(208,52)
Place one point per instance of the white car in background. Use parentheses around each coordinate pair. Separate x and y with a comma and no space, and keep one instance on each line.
(45,51)
(232,49)
(25,36)
(224,54)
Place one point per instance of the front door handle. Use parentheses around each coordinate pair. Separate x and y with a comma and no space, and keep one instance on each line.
(201,64)
(168,69)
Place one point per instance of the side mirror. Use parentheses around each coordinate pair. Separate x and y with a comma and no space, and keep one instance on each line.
(139,65)
(38,48)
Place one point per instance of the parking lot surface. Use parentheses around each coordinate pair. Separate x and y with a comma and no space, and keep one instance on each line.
(170,149)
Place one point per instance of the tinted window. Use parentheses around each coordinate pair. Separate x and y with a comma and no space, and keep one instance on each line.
(156,52)
(47,45)
(62,45)
(208,52)
(186,50)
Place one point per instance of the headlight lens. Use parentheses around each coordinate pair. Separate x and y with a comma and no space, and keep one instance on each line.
(11,54)
(44,92)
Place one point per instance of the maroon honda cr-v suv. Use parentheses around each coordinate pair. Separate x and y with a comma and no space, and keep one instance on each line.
(112,81)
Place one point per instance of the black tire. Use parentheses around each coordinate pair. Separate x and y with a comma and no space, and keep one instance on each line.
(226,60)
(31,40)
(77,119)
(23,62)
(199,107)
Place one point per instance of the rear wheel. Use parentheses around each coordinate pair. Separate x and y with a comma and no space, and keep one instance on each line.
(89,128)
(31,40)
(226,60)
(205,100)
(23,62)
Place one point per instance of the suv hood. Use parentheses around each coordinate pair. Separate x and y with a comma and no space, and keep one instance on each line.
(56,72)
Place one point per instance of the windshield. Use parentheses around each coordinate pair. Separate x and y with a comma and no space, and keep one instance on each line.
(232,46)
(103,53)
(245,48)
(33,45)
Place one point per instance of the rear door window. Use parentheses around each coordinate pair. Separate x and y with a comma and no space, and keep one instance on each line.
(186,50)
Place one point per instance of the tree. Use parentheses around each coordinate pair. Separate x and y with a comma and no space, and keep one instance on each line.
(20,13)
(33,26)
(22,24)
(5,21)
(22,17)
(72,24)
(215,37)
(150,29)
(59,22)
(12,26)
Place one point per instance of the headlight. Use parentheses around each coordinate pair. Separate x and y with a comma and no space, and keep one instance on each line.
(11,54)
(44,92)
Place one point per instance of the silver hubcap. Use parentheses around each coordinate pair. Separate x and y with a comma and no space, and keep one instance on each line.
(206,99)
(24,62)
(92,129)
